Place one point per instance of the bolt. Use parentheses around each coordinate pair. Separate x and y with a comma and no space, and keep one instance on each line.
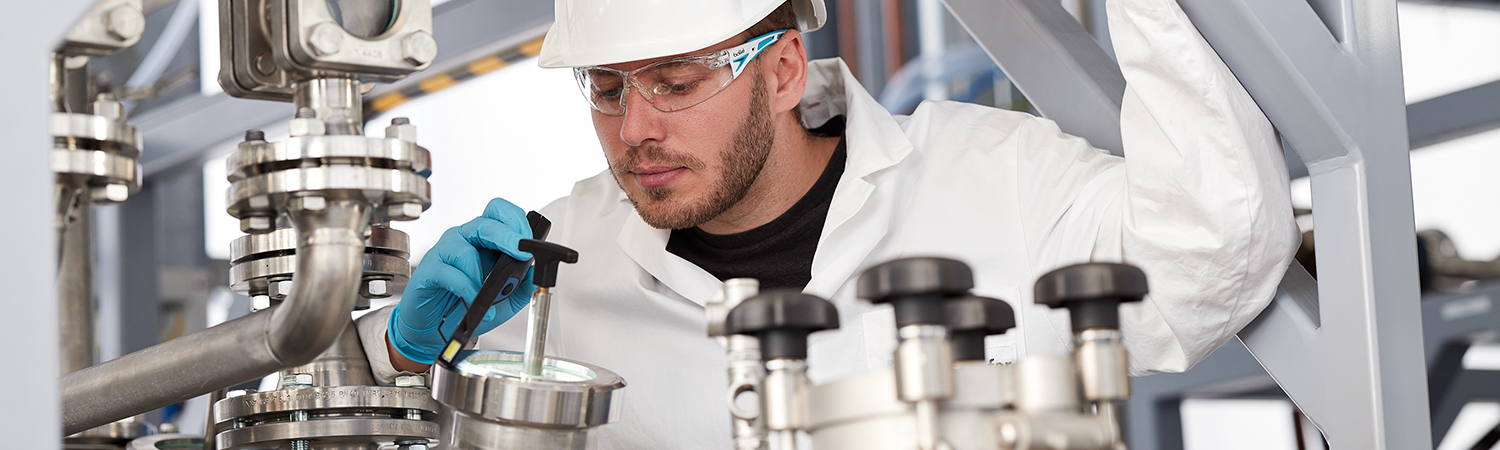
(306,127)
(411,380)
(300,416)
(257,224)
(412,445)
(404,211)
(106,106)
(311,203)
(260,202)
(238,393)
(280,289)
(169,428)
(110,193)
(306,113)
(376,288)
(264,64)
(401,128)
(326,38)
(297,381)
(124,22)
(255,135)
(260,302)
(413,414)
(419,48)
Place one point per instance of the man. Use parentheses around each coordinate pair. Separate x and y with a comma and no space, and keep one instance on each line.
(732,156)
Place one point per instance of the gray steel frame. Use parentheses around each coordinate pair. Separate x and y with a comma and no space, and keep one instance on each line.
(30,31)
(1328,75)
(1451,323)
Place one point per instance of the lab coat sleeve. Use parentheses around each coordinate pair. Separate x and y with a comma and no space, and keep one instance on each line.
(1200,202)
(372,328)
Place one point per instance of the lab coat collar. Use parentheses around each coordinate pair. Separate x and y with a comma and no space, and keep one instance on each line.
(875,142)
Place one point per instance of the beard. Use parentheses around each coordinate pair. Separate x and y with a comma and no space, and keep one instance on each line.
(662,207)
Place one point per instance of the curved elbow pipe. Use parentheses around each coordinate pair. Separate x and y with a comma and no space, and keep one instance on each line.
(330,250)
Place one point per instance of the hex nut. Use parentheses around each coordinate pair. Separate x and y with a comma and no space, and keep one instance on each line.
(257,224)
(310,203)
(239,393)
(419,48)
(110,193)
(404,211)
(260,302)
(326,38)
(124,22)
(411,380)
(296,380)
(280,289)
(306,127)
(403,131)
(106,106)
(376,288)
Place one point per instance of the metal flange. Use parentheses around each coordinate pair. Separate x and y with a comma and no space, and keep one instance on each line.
(88,127)
(260,260)
(257,157)
(382,239)
(399,192)
(328,431)
(491,384)
(96,168)
(272,405)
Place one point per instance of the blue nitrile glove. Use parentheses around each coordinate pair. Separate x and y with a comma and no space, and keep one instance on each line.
(449,277)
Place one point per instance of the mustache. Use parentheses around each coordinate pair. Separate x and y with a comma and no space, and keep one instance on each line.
(654,153)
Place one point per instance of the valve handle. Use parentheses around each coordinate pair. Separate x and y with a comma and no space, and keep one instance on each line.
(1092,292)
(547,256)
(971,318)
(916,287)
(782,319)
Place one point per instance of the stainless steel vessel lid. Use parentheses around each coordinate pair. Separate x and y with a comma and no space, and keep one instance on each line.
(492,384)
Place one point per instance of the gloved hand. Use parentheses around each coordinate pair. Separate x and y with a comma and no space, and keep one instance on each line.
(449,276)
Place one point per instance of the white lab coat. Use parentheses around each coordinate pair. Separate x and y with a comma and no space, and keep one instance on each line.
(1200,203)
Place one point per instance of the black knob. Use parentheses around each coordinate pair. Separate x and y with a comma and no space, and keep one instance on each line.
(916,287)
(782,319)
(972,318)
(547,256)
(1092,292)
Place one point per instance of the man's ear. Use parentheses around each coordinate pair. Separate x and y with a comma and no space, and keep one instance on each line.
(788,71)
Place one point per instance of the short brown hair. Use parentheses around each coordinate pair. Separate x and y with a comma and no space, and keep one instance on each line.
(783,18)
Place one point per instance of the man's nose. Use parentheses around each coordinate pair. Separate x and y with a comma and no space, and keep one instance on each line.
(642,120)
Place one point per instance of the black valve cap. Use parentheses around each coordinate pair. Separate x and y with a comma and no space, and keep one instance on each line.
(782,319)
(916,287)
(1092,292)
(972,318)
(547,256)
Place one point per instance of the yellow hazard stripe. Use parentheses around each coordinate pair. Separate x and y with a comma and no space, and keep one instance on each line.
(386,102)
(436,83)
(486,65)
(532,48)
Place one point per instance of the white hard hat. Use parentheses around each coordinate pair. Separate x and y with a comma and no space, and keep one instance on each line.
(599,32)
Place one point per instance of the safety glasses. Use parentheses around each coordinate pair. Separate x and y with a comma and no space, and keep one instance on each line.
(670,85)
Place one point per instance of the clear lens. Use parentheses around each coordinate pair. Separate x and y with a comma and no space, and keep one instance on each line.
(365,18)
(670,85)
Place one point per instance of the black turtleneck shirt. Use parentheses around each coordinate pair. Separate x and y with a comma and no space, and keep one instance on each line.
(779,253)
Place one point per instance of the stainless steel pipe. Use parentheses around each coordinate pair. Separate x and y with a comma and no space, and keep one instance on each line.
(330,250)
(75,294)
